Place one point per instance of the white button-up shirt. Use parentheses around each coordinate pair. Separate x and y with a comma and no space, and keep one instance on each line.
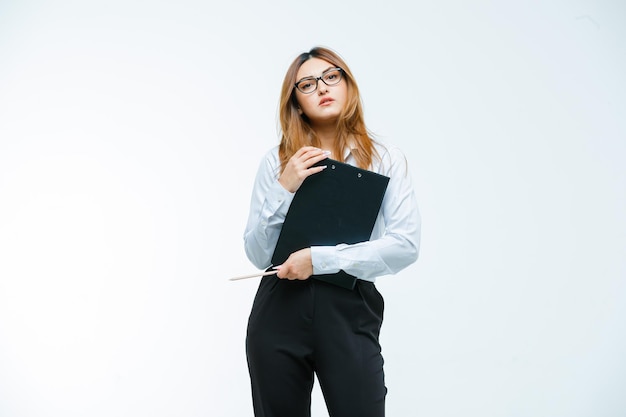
(395,239)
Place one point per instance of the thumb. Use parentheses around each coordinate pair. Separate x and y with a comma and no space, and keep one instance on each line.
(281,271)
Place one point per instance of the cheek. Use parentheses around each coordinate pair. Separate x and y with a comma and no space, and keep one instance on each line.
(305,103)
(300,101)
(344,94)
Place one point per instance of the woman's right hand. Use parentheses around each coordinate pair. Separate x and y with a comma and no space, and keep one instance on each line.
(299,167)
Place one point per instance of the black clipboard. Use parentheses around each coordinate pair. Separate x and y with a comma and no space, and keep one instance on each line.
(337,205)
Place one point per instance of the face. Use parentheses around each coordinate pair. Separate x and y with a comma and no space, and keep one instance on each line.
(326,103)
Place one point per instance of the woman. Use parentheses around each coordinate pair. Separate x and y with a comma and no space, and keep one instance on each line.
(299,326)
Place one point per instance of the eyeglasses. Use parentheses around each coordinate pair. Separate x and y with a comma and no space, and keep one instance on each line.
(307,85)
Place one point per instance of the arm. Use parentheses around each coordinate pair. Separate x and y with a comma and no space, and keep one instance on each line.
(393,249)
(271,197)
(268,206)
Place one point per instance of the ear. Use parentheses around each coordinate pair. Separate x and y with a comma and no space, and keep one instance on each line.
(300,111)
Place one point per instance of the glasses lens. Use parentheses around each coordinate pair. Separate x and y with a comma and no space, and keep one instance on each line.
(332,76)
(307,85)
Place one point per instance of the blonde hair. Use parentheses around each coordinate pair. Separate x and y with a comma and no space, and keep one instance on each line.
(296,131)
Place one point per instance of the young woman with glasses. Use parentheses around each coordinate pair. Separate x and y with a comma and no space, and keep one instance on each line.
(300,326)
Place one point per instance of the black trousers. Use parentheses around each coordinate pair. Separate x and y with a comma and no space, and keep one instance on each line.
(298,328)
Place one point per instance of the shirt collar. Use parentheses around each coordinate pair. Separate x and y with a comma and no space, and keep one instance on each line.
(348,149)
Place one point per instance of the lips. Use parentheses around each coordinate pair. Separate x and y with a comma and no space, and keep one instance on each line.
(326,100)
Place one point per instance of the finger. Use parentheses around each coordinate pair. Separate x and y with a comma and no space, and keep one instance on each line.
(303,150)
(314,160)
(314,170)
(314,153)
(282,271)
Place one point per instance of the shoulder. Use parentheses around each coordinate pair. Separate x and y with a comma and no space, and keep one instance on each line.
(390,157)
(270,162)
(271,154)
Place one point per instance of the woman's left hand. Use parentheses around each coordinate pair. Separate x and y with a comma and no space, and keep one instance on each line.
(297,266)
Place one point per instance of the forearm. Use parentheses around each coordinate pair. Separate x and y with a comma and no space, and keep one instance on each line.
(264,225)
(367,260)
(395,240)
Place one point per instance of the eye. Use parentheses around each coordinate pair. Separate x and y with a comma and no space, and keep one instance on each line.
(332,76)
(306,85)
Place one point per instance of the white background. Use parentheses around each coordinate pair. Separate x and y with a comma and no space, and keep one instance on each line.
(130,132)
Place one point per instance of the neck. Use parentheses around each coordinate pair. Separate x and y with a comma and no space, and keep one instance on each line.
(327,135)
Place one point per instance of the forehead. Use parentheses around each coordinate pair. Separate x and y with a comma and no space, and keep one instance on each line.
(313,67)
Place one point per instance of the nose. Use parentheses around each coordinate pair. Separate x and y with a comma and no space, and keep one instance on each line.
(322,88)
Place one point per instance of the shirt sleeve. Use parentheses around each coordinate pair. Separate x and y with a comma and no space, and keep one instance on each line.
(268,207)
(397,246)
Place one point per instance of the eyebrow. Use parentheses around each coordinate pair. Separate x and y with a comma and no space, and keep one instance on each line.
(312,76)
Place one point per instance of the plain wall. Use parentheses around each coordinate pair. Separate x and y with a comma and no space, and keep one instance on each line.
(130,133)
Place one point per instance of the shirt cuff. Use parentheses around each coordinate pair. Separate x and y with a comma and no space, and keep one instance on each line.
(324,260)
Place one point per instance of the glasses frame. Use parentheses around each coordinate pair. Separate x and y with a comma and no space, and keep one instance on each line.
(318,79)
